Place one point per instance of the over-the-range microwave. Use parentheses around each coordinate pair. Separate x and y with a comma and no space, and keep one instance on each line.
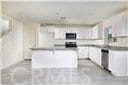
(70,35)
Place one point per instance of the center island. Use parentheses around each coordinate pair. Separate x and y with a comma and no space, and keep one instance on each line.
(56,57)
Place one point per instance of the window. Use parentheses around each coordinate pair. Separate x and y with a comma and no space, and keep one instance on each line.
(4,26)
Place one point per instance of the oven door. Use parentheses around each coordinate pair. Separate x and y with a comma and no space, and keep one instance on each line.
(70,44)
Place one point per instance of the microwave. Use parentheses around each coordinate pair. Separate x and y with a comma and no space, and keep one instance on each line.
(70,35)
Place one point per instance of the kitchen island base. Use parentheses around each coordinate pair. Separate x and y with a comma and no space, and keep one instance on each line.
(49,58)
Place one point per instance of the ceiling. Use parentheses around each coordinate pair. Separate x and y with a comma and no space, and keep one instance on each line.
(87,13)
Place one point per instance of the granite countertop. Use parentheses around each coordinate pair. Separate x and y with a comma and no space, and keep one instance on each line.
(114,48)
(52,48)
(62,47)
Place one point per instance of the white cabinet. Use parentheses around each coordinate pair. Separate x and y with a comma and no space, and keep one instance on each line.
(97,32)
(98,59)
(120,24)
(84,34)
(59,33)
(49,58)
(118,63)
(83,52)
(50,29)
(71,30)
(95,55)
(81,32)
(92,53)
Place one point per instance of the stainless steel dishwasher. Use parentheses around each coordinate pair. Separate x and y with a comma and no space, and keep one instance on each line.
(105,58)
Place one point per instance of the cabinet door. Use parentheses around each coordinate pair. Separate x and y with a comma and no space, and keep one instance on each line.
(121,30)
(119,25)
(111,60)
(80,34)
(118,63)
(59,33)
(83,52)
(98,60)
(114,26)
(92,53)
(86,34)
(95,32)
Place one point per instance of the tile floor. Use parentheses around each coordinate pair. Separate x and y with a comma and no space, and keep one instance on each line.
(86,74)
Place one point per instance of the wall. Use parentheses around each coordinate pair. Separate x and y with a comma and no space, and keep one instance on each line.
(46,40)
(30,38)
(0,53)
(12,44)
(0,40)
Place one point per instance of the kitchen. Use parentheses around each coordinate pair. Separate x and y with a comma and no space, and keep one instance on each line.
(91,48)
(83,41)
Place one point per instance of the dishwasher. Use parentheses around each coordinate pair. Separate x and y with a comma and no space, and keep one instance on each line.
(105,58)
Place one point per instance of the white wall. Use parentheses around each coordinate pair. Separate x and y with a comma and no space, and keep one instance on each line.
(0,52)
(12,44)
(0,45)
(46,40)
(30,39)
(0,40)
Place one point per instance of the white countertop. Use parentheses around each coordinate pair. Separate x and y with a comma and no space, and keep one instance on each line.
(53,48)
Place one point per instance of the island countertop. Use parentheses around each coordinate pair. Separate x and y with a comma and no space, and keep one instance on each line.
(52,48)
(62,47)
(114,48)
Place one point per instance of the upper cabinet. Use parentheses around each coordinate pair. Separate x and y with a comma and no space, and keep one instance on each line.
(59,33)
(97,32)
(120,25)
(82,33)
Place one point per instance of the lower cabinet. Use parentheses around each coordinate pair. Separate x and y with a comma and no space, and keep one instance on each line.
(83,52)
(118,60)
(118,63)
(99,58)
(95,55)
